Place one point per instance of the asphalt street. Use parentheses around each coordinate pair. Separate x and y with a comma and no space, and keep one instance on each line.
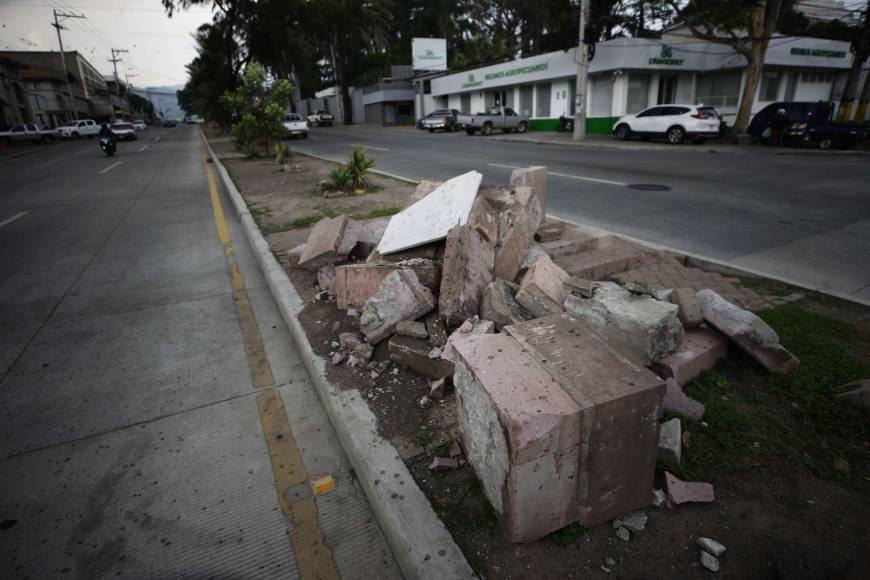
(154,413)
(801,218)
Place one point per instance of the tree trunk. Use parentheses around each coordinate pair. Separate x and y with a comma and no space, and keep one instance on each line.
(753,74)
(862,104)
(862,50)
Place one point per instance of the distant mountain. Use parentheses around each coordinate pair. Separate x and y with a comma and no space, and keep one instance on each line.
(164,100)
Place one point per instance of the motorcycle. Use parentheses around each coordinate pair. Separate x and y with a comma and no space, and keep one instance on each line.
(108,146)
(566,124)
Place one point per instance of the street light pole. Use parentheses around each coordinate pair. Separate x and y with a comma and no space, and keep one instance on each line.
(582,64)
(57,25)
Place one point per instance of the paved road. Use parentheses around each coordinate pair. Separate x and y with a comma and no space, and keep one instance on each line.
(153,410)
(799,218)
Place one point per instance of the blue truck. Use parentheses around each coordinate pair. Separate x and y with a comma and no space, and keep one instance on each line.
(809,123)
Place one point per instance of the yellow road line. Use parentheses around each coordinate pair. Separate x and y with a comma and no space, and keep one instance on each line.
(313,558)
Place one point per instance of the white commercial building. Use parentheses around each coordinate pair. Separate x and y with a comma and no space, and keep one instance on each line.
(629,74)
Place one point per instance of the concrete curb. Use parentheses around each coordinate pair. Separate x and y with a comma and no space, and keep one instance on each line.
(421,544)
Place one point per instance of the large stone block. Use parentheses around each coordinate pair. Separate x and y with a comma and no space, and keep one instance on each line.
(470,327)
(645,329)
(542,290)
(356,283)
(535,177)
(467,271)
(323,243)
(521,434)
(400,296)
(747,331)
(500,306)
(414,354)
(700,350)
(620,406)
(484,219)
(690,314)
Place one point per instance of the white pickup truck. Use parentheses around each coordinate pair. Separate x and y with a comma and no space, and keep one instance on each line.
(295,125)
(79,129)
(26,132)
(319,118)
(505,119)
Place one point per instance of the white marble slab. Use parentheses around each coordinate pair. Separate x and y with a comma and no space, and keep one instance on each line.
(432,217)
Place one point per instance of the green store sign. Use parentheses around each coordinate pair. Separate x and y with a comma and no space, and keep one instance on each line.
(510,72)
(428,55)
(666,57)
(819,52)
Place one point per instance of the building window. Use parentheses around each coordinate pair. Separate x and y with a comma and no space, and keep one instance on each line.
(465,104)
(638,92)
(817,76)
(542,100)
(601,96)
(526,100)
(719,89)
(769,85)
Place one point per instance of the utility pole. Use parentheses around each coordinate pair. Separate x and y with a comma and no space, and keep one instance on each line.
(114,60)
(582,64)
(58,18)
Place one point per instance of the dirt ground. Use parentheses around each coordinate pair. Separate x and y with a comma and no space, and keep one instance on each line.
(790,465)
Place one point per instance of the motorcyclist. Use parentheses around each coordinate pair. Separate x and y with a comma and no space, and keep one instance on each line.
(106,133)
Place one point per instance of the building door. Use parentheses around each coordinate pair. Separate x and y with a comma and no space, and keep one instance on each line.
(667,89)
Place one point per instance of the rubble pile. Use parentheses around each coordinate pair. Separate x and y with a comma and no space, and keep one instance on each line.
(561,376)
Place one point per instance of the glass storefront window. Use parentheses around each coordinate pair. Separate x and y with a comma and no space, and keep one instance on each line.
(638,92)
(769,85)
(542,100)
(719,89)
(526,100)
(465,104)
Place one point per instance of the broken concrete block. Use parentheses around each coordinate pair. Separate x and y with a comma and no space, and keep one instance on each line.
(858,394)
(338,358)
(678,403)
(466,273)
(623,534)
(620,405)
(443,464)
(579,286)
(747,331)
(535,177)
(323,243)
(700,350)
(326,279)
(645,328)
(670,442)
(499,306)
(356,283)
(535,250)
(437,330)
(349,340)
(711,546)
(680,491)
(425,402)
(521,434)
(363,351)
(483,218)
(548,233)
(709,562)
(689,312)
(294,255)
(400,296)
(412,328)
(515,236)
(470,327)
(414,354)
(438,389)
(369,236)
(541,291)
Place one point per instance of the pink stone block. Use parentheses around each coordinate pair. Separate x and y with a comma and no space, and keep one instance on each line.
(323,243)
(467,271)
(680,491)
(541,291)
(678,403)
(356,283)
(700,350)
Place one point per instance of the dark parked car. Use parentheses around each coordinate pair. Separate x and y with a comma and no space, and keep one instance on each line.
(809,122)
(440,119)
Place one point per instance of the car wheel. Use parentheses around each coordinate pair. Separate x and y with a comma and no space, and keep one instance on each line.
(486,129)
(75,135)
(522,127)
(676,135)
(305,135)
(470,130)
(48,139)
(826,143)
(623,132)
(431,130)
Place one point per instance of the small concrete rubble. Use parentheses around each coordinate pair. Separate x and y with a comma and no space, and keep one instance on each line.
(443,464)
(700,350)
(294,255)
(470,327)
(671,442)
(499,304)
(678,403)
(711,546)
(633,521)
(542,291)
(415,353)
(645,328)
(412,328)
(623,534)
(326,279)
(467,271)
(689,313)
(680,491)
(747,331)
(438,389)
(399,297)
(323,243)
(709,562)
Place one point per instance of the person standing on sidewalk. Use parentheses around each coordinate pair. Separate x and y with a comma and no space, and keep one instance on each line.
(777,127)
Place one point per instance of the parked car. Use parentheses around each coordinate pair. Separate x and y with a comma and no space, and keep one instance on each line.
(319,118)
(78,129)
(295,125)
(673,122)
(28,132)
(505,119)
(441,119)
(809,123)
(140,125)
(124,131)
(169,123)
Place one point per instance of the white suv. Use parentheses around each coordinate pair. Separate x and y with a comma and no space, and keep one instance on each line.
(79,129)
(673,122)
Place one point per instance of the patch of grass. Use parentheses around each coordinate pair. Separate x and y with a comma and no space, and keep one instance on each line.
(422,437)
(568,534)
(260,214)
(376,213)
(310,220)
(753,415)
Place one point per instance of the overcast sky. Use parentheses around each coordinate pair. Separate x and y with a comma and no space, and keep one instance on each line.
(159,46)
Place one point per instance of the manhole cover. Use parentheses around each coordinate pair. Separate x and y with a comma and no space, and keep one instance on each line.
(649,187)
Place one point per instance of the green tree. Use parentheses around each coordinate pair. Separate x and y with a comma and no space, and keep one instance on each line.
(258,107)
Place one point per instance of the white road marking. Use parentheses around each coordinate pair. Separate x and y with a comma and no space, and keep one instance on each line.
(157,138)
(143,148)
(9,220)
(368,147)
(557,174)
(110,167)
